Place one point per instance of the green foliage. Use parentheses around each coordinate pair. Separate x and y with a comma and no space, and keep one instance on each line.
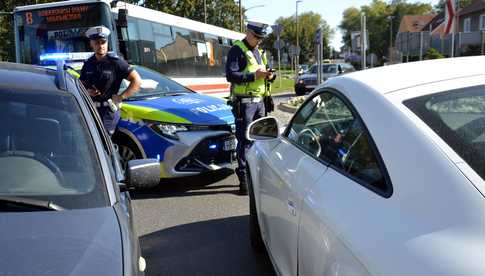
(308,23)
(222,13)
(379,15)
(432,53)
(7,47)
(441,4)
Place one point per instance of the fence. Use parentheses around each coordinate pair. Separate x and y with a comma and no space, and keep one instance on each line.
(413,45)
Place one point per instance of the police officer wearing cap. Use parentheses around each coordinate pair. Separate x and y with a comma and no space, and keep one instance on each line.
(102,75)
(248,72)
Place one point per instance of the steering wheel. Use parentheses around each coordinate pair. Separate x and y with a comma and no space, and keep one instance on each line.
(307,137)
(42,159)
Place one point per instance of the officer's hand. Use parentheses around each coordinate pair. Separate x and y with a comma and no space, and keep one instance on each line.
(94,92)
(261,74)
(117,99)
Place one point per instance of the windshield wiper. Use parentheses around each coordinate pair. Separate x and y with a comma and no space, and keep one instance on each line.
(30,202)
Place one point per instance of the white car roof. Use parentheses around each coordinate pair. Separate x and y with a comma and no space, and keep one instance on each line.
(392,78)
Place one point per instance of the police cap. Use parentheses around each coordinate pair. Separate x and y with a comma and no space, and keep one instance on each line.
(259,29)
(98,32)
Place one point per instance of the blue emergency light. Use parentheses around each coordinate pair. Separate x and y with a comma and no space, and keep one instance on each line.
(54,56)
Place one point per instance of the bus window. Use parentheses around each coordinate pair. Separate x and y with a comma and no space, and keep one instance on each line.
(59,29)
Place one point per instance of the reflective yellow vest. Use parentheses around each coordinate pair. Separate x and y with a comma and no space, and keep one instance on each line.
(257,88)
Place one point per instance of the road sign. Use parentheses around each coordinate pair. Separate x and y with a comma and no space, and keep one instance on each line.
(356,41)
(294,51)
(279,44)
(318,36)
(277,29)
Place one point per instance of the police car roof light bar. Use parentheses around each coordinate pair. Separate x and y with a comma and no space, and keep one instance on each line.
(61,75)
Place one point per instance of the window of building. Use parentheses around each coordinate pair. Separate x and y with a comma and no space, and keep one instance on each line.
(467,25)
(482,22)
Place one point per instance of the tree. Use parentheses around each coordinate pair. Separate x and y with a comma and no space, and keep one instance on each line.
(308,23)
(379,15)
(222,13)
(7,47)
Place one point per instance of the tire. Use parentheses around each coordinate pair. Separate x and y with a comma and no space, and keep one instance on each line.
(255,237)
(127,149)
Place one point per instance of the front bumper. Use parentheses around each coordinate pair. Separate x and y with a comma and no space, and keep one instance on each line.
(196,152)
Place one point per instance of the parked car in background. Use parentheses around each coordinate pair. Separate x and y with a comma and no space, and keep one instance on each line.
(302,68)
(308,81)
(379,172)
(64,202)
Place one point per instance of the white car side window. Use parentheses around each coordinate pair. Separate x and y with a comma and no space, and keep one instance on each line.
(327,129)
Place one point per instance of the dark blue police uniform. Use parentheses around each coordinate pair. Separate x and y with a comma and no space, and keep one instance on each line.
(106,76)
(251,111)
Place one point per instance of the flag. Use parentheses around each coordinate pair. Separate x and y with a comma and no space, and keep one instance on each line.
(450,16)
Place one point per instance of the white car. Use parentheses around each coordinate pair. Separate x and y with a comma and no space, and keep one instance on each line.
(380,172)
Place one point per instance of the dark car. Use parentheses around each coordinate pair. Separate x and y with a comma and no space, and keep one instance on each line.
(64,199)
(307,81)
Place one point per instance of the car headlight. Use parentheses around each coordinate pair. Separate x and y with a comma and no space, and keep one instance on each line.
(168,130)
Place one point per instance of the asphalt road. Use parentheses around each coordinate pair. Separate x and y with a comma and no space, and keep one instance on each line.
(199,226)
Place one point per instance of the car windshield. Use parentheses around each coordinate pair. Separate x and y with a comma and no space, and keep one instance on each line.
(458,117)
(46,151)
(155,84)
(326,69)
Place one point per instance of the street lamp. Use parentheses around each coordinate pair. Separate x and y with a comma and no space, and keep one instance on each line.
(297,37)
(390,17)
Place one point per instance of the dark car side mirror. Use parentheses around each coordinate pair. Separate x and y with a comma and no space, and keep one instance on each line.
(266,128)
(142,173)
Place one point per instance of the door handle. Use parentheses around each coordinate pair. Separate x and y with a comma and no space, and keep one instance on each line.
(291,208)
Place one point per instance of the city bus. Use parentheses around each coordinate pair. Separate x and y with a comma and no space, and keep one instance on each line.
(190,52)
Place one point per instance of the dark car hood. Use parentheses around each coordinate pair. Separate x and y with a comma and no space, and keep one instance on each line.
(75,242)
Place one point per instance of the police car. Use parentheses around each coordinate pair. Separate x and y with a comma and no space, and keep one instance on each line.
(189,133)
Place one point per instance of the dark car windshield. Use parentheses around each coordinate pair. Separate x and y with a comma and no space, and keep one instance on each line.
(458,117)
(155,84)
(46,151)
(326,69)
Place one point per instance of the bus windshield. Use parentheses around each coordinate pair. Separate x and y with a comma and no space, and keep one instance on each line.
(59,29)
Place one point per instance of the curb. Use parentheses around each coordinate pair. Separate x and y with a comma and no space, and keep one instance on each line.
(287,108)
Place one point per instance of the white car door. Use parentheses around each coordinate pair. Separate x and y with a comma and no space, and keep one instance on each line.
(355,175)
(287,173)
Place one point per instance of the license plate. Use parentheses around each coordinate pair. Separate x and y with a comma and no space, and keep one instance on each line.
(310,86)
(230,145)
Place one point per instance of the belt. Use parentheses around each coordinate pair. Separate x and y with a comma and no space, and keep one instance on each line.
(100,104)
(251,100)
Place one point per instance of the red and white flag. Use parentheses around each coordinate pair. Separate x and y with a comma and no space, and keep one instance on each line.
(450,16)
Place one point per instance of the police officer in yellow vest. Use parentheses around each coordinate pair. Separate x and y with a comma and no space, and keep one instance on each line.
(248,72)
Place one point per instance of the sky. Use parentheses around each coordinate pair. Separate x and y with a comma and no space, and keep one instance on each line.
(331,11)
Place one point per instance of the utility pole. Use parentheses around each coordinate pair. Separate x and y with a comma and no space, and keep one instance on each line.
(363,39)
(297,60)
(240,17)
(205,11)
(390,39)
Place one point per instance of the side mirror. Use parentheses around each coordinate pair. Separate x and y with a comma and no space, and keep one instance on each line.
(143,173)
(263,129)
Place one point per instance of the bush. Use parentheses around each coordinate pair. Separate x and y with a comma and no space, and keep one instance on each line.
(432,53)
